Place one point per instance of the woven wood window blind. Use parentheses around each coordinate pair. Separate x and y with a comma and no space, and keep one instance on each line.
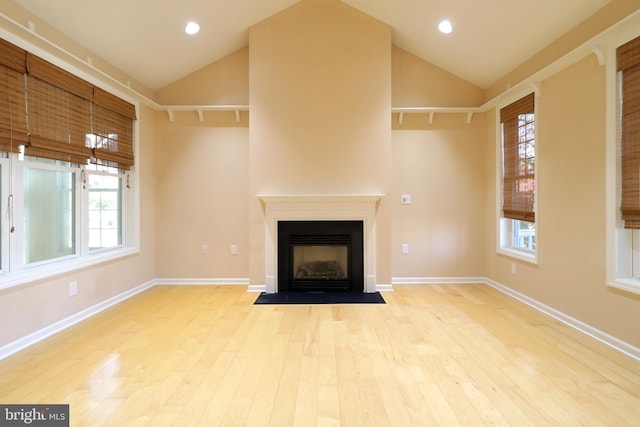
(58,112)
(628,57)
(519,158)
(113,127)
(13,121)
(60,116)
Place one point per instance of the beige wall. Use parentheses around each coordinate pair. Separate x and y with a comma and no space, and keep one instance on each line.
(320,75)
(224,82)
(570,276)
(607,16)
(441,167)
(418,83)
(202,185)
(44,31)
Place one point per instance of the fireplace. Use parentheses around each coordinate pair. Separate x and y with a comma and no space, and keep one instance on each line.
(320,256)
(318,207)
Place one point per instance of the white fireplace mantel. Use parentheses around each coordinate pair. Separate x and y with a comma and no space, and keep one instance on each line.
(310,207)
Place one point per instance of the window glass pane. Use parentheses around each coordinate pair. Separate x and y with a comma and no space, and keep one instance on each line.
(524,235)
(49,214)
(105,211)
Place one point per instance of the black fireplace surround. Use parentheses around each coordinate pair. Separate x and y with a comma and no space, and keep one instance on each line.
(318,256)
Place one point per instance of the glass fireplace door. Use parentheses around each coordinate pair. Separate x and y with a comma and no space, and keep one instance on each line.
(320,262)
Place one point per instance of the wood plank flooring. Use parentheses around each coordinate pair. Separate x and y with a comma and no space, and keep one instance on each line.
(433,355)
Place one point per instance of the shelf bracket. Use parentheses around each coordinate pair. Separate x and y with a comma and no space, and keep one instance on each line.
(599,51)
(200,115)
(401,117)
(170,113)
(431,114)
(469,116)
(237,116)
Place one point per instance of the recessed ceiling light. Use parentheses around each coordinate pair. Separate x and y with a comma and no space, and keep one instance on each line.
(192,28)
(445,26)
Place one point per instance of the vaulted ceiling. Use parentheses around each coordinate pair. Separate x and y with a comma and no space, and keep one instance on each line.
(146,39)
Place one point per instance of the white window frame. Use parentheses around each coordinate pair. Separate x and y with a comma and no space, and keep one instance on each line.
(17,250)
(5,234)
(504,226)
(123,208)
(622,245)
(14,272)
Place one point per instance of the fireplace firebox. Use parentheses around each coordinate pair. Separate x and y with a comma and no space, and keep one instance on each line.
(320,256)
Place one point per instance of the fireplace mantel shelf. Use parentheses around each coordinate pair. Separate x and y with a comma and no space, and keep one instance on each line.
(302,198)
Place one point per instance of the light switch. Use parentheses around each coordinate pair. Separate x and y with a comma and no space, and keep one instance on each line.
(406,199)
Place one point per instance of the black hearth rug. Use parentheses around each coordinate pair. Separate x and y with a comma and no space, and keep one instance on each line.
(331,297)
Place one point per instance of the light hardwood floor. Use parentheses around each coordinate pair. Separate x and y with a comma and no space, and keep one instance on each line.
(433,355)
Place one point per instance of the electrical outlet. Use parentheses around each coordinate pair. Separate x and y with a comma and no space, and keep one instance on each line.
(73,288)
(234,249)
(205,249)
(405,248)
(406,199)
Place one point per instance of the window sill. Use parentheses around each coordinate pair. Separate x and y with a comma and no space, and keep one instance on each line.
(629,285)
(530,257)
(49,271)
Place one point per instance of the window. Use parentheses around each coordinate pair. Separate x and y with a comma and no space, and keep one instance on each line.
(4,209)
(518,181)
(624,260)
(66,157)
(628,60)
(49,207)
(105,209)
(524,235)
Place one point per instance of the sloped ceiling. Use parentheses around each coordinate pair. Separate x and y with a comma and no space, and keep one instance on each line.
(146,39)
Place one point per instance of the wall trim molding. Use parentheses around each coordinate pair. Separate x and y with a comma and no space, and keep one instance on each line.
(37,336)
(41,334)
(436,280)
(257,288)
(231,281)
(384,287)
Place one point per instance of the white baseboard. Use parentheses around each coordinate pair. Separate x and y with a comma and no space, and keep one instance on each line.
(263,288)
(257,288)
(35,337)
(202,282)
(435,280)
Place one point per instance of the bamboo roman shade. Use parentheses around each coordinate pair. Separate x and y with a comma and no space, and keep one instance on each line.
(628,56)
(13,121)
(112,125)
(59,106)
(57,115)
(519,157)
